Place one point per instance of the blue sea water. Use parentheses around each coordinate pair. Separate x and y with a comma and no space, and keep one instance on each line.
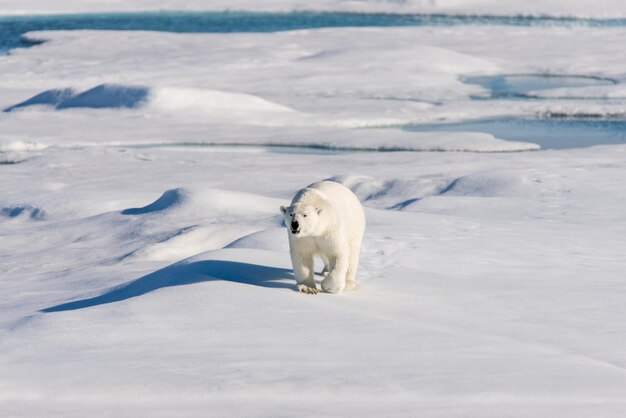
(11,28)
(529,86)
(548,133)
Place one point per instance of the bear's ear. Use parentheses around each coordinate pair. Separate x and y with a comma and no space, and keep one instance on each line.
(319,210)
(283,209)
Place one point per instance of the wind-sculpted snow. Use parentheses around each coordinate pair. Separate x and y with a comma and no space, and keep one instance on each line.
(207,203)
(167,200)
(114,96)
(221,209)
(49,97)
(494,183)
(109,96)
(207,101)
(23,211)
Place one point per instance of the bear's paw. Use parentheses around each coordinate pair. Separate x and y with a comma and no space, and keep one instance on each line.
(302,288)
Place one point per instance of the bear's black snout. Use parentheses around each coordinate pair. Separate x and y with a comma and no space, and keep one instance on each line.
(295,225)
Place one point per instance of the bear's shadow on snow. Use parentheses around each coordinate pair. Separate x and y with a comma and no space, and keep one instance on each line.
(185,274)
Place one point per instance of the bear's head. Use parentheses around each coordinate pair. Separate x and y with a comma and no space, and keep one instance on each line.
(301,220)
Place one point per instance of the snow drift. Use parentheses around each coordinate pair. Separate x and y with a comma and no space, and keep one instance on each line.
(117,96)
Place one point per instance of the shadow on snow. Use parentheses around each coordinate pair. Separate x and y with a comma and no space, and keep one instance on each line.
(183,274)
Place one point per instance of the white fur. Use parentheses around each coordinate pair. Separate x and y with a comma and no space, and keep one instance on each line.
(331,223)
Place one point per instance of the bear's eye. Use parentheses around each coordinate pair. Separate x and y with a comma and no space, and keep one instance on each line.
(291,214)
(304,215)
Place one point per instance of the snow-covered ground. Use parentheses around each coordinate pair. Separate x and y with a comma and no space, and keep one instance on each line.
(144,268)
(492,284)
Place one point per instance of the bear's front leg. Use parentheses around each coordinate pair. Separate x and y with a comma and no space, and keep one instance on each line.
(335,282)
(303,270)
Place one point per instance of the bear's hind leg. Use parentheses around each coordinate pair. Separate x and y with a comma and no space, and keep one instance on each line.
(335,282)
(351,283)
(326,270)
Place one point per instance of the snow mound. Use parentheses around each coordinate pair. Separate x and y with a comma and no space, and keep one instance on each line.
(167,200)
(391,193)
(103,96)
(273,239)
(489,184)
(108,96)
(49,97)
(168,99)
(364,187)
(23,212)
(225,202)
(400,194)
(183,222)
(209,203)
(204,100)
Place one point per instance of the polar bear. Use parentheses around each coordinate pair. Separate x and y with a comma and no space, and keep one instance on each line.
(325,219)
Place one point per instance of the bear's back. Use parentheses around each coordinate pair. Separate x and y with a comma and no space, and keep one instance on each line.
(333,191)
(345,203)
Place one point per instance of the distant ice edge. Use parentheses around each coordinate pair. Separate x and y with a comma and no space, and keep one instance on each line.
(512,146)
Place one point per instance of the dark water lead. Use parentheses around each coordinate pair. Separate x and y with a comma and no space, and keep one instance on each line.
(11,28)
(521,86)
(548,133)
